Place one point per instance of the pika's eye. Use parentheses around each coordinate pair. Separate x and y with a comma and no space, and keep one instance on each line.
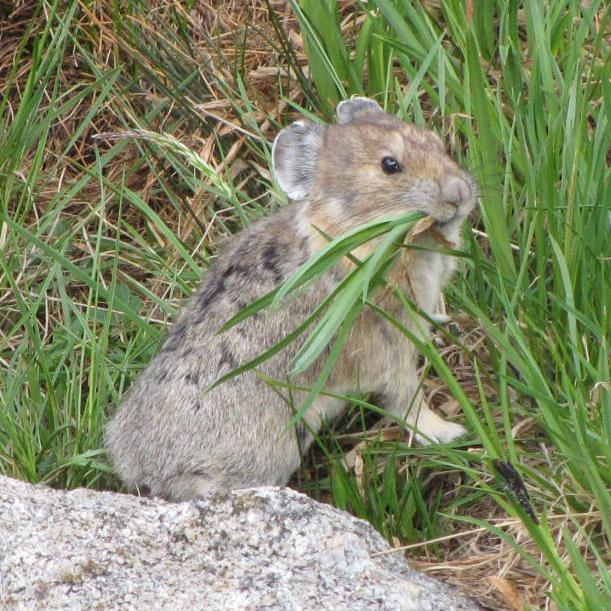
(391,166)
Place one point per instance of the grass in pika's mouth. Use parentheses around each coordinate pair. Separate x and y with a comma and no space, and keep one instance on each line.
(102,239)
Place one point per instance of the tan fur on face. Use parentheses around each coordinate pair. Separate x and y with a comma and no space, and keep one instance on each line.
(350,175)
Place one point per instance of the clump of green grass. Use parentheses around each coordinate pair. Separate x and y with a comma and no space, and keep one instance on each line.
(101,239)
(524,98)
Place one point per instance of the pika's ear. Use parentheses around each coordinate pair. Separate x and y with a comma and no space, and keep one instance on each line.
(357,110)
(294,157)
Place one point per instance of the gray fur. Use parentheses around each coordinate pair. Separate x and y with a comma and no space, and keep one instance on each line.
(351,111)
(172,439)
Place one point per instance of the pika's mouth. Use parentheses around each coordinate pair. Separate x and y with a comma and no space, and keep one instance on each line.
(448,212)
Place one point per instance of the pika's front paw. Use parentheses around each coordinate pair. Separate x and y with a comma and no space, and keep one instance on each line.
(430,428)
(448,432)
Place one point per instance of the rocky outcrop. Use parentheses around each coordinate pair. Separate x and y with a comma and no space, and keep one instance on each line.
(267,548)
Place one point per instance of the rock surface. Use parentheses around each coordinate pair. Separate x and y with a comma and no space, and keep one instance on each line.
(266,548)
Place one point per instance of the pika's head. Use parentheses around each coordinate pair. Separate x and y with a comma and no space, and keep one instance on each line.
(370,165)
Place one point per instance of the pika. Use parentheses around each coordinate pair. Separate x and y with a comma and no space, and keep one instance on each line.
(173,439)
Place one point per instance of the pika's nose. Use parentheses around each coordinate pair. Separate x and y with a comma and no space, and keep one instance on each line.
(456,190)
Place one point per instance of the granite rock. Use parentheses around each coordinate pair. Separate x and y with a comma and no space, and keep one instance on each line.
(265,548)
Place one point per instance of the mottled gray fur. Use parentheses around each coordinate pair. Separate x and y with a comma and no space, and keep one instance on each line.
(172,439)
